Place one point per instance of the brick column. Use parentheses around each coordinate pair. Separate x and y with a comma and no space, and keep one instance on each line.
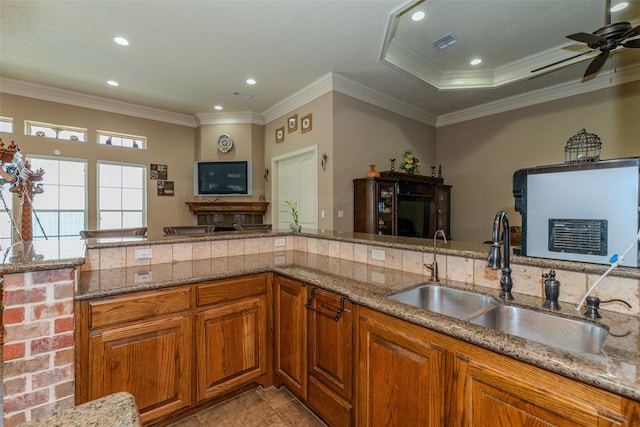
(38,354)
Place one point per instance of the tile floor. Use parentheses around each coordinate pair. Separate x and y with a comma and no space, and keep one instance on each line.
(256,408)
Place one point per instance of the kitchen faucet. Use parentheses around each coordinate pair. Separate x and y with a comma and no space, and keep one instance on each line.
(495,259)
(434,266)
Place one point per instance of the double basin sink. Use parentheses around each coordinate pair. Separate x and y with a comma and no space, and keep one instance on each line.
(568,334)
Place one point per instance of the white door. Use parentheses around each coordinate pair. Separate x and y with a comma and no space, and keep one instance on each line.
(297,180)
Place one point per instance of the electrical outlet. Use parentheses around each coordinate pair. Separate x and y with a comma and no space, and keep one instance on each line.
(340,214)
(377,255)
(278,243)
(144,253)
(143,277)
(279,259)
(321,214)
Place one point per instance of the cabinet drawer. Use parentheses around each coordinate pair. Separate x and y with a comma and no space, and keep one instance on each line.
(137,306)
(222,291)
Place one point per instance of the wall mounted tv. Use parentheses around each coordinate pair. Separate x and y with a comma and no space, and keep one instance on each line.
(222,178)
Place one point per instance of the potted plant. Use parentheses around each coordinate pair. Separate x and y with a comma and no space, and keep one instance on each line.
(293,211)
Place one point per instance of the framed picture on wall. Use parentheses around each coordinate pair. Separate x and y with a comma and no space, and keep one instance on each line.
(159,172)
(280,134)
(165,188)
(305,123)
(292,123)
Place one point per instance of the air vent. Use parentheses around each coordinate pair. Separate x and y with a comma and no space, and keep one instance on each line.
(578,236)
(242,94)
(445,41)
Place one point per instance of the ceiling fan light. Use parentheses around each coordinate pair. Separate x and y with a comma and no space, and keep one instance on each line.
(619,6)
(476,61)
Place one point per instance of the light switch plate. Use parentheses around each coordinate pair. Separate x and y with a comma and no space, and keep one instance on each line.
(377,255)
(144,253)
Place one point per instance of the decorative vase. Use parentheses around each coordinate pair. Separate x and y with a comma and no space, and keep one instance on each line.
(373,173)
(295,228)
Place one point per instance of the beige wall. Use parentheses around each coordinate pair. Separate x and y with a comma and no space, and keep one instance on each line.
(320,135)
(168,144)
(480,156)
(365,134)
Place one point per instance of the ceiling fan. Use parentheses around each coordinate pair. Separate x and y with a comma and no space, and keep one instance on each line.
(605,39)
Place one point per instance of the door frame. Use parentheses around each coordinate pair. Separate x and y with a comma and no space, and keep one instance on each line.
(275,216)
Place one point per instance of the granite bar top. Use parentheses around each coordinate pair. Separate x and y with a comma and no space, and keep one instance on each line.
(115,410)
(475,250)
(616,368)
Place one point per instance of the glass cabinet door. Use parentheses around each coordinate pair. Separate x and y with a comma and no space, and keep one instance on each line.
(386,207)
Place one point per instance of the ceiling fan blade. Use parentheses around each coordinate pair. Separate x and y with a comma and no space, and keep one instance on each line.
(561,61)
(596,64)
(632,43)
(631,33)
(587,38)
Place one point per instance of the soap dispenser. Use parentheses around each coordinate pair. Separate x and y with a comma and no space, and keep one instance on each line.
(551,290)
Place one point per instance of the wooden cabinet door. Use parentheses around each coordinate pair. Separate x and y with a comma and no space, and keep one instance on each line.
(150,360)
(290,335)
(400,374)
(493,390)
(330,336)
(230,346)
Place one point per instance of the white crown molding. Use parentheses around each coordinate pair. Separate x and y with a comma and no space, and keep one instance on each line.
(298,99)
(370,96)
(575,87)
(45,93)
(240,117)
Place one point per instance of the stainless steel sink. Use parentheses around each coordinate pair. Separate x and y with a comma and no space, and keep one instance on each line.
(568,334)
(448,301)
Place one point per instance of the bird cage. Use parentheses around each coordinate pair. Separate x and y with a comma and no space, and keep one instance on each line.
(582,147)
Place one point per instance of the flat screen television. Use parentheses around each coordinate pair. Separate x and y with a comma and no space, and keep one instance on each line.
(222,178)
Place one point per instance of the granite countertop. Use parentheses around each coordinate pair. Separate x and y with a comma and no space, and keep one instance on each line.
(40,255)
(118,409)
(616,368)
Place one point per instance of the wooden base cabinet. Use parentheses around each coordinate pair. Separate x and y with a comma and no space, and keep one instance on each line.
(400,374)
(494,390)
(231,335)
(330,338)
(131,347)
(411,376)
(290,335)
(175,348)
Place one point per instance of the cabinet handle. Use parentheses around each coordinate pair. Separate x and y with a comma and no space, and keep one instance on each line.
(339,311)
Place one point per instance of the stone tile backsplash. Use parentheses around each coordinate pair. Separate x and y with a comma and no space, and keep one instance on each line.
(527,279)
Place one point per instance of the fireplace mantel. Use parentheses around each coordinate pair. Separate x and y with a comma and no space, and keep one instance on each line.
(224,214)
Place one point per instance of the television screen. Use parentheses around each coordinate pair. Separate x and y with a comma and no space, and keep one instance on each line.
(222,178)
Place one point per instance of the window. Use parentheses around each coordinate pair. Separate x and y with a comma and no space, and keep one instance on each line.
(60,211)
(55,131)
(122,140)
(121,195)
(6,124)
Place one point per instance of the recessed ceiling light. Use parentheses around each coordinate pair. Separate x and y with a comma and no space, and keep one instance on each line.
(251,81)
(121,41)
(475,61)
(217,107)
(113,83)
(418,16)
(619,6)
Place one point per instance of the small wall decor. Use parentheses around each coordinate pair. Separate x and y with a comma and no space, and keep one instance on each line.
(165,188)
(280,134)
(159,172)
(292,123)
(225,143)
(305,123)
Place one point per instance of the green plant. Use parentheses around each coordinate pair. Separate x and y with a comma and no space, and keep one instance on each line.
(292,210)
